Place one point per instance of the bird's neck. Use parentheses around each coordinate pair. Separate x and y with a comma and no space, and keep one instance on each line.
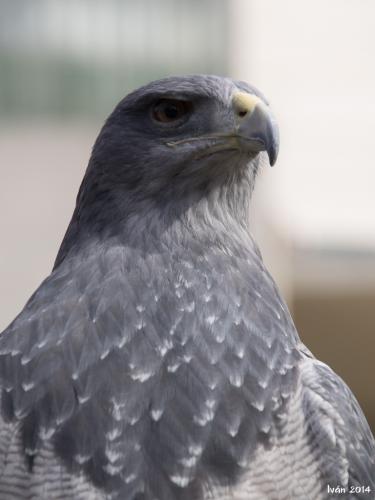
(218,215)
(222,214)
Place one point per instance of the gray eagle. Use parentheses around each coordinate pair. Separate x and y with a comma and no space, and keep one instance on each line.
(158,360)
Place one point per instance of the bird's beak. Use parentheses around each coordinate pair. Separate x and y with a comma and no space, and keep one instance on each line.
(256,128)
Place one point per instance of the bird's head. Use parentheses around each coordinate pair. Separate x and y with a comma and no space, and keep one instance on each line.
(184,132)
(182,150)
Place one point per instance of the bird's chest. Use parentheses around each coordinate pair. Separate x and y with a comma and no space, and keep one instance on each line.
(199,372)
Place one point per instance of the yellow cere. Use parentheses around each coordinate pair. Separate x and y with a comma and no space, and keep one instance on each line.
(244,102)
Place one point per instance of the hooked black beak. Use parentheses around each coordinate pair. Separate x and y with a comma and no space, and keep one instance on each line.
(256,126)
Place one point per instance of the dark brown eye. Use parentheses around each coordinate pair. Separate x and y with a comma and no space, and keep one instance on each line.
(170,110)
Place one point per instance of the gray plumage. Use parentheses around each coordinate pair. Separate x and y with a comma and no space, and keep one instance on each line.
(158,360)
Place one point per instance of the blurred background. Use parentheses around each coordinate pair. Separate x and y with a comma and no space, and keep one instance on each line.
(64,64)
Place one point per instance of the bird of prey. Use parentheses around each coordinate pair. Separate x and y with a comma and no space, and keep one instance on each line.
(158,360)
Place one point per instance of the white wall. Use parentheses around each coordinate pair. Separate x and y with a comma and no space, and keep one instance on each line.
(41,167)
(315,61)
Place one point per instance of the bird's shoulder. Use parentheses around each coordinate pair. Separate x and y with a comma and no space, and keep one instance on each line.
(340,437)
(323,448)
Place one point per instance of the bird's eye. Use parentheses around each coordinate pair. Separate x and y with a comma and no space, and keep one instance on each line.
(170,110)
